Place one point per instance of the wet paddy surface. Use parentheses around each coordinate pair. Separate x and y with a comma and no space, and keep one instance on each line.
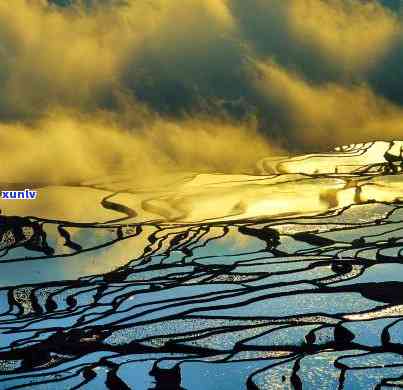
(277,280)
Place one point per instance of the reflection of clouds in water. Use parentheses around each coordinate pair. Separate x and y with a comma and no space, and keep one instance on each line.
(102,251)
(301,185)
(200,199)
(199,297)
(242,297)
(78,204)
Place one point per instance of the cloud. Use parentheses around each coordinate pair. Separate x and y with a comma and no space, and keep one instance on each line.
(195,85)
(321,38)
(62,147)
(78,57)
(52,57)
(355,34)
(326,114)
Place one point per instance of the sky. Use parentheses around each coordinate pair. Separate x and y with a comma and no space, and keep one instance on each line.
(89,88)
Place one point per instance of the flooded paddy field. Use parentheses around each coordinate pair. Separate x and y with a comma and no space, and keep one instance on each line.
(290,277)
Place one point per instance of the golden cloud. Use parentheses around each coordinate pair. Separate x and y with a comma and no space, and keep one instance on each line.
(63,71)
(354,33)
(63,147)
(330,113)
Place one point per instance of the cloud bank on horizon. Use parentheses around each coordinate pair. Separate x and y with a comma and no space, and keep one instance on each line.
(95,86)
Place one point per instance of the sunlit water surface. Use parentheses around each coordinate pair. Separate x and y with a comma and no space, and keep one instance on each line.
(287,278)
